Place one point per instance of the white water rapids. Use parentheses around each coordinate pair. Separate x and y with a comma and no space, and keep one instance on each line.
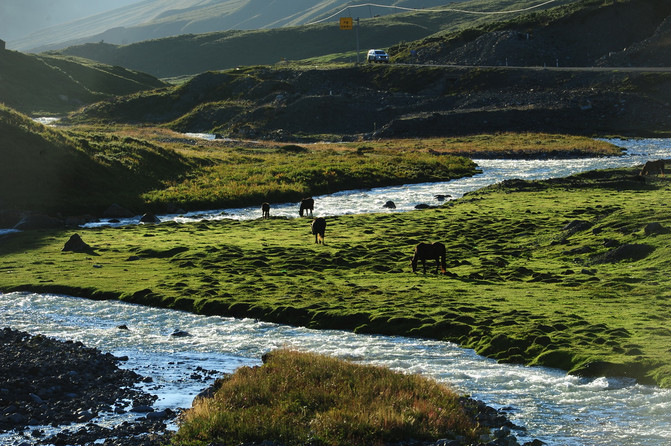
(553,407)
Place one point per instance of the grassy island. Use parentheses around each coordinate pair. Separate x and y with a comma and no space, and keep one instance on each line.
(304,398)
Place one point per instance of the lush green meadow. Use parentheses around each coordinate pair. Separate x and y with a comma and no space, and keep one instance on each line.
(521,285)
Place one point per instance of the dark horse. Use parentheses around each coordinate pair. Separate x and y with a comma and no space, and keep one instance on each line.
(651,167)
(429,251)
(265,210)
(307,204)
(318,228)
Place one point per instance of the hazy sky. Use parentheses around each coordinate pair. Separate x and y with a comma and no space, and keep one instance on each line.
(19,18)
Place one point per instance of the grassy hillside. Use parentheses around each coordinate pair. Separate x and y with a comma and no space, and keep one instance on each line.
(193,54)
(581,33)
(55,85)
(560,273)
(153,19)
(55,171)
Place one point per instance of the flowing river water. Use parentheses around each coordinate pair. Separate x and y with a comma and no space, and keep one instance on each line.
(553,407)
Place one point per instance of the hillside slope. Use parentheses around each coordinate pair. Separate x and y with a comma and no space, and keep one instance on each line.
(154,19)
(47,84)
(580,34)
(45,169)
(401,101)
(191,54)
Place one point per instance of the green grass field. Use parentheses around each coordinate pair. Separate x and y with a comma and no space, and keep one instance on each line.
(520,287)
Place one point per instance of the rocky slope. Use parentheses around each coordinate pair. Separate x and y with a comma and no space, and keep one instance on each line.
(402,101)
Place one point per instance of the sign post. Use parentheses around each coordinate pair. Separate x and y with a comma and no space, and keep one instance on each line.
(347,23)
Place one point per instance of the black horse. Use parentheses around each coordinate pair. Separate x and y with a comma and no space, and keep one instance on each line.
(429,251)
(652,167)
(318,228)
(265,210)
(307,204)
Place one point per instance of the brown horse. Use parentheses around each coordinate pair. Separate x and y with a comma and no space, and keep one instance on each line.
(265,210)
(429,251)
(318,228)
(307,204)
(651,167)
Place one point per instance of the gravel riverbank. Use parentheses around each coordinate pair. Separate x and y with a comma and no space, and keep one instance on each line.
(50,383)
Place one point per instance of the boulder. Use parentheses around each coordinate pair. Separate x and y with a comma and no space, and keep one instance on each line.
(389,205)
(149,218)
(76,244)
(38,221)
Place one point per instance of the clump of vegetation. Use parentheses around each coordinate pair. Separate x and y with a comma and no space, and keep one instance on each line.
(305,398)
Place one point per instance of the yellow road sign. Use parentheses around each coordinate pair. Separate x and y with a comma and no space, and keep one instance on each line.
(345,22)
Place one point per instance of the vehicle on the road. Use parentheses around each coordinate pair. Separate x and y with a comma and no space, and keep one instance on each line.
(377,56)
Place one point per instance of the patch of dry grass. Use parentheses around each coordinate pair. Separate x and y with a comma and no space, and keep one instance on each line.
(305,398)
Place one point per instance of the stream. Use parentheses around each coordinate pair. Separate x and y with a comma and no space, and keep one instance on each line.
(407,196)
(553,407)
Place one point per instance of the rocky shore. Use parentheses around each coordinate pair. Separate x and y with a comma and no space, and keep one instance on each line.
(46,383)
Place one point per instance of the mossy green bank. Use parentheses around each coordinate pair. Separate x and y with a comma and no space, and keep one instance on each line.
(562,273)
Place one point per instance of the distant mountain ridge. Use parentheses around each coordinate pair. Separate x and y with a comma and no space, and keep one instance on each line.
(154,19)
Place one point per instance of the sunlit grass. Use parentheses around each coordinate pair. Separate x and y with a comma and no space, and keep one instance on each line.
(304,398)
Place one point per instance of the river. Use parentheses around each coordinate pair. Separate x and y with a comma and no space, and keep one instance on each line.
(552,406)
(407,196)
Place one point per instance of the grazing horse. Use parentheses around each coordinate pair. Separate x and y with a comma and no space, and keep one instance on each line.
(265,210)
(651,167)
(429,251)
(307,204)
(318,228)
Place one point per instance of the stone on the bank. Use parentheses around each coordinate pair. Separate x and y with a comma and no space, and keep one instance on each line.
(149,218)
(76,244)
(37,221)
